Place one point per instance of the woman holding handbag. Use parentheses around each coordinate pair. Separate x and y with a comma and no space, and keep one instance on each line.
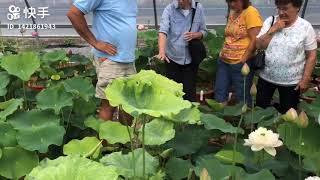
(290,47)
(182,22)
(244,23)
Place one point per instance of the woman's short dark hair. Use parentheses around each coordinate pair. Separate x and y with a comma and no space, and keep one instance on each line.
(295,3)
(246,3)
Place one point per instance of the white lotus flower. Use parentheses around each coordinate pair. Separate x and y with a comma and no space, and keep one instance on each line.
(313,178)
(263,139)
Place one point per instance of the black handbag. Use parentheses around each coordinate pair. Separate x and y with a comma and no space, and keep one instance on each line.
(196,47)
(259,60)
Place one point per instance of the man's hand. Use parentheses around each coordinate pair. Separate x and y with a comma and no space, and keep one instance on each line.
(303,86)
(162,56)
(106,47)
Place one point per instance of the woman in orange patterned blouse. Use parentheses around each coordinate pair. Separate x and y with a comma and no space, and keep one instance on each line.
(244,24)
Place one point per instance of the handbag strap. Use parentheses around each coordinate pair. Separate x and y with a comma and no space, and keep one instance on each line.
(193,14)
(272,22)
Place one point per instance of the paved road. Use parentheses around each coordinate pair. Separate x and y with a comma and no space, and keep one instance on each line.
(214,15)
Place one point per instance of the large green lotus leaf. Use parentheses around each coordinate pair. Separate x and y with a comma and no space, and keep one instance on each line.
(189,140)
(211,122)
(9,107)
(157,132)
(178,168)
(80,58)
(219,171)
(312,109)
(260,115)
(312,163)
(3,91)
(147,93)
(79,86)
(72,168)
(22,65)
(17,162)
(114,132)
(264,174)
(123,163)
(54,98)
(226,156)
(310,143)
(84,108)
(82,147)
(8,135)
(233,110)
(93,123)
(37,129)
(214,105)
(4,81)
(190,115)
(54,56)
(160,82)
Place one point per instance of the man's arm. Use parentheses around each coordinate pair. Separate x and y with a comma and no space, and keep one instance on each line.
(81,26)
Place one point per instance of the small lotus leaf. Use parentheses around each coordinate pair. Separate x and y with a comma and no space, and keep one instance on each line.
(54,98)
(114,132)
(211,121)
(9,107)
(178,168)
(54,56)
(123,163)
(93,123)
(8,135)
(82,147)
(158,132)
(17,162)
(22,65)
(4,81)
(37,129)
(79,86)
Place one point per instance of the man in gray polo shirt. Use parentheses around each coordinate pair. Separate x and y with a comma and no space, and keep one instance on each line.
(174,36)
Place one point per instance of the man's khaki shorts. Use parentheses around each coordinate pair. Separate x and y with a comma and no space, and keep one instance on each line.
(108,70)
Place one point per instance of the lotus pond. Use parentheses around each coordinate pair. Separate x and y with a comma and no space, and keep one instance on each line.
(49,129)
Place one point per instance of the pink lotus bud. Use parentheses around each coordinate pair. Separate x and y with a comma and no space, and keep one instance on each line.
(69,53)
(35,34)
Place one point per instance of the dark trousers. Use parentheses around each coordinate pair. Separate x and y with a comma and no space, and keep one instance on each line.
(289,98)
(185,74)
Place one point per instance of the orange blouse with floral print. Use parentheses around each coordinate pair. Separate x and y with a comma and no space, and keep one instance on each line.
(236,35)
